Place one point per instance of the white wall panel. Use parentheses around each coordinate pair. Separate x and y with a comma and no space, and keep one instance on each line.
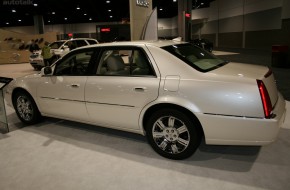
(230,8)
(252,6)
(167,23)
(264,20)
(21,29)
(286,9)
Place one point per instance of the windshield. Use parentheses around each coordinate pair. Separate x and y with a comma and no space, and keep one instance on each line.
(195,57)
(56,45)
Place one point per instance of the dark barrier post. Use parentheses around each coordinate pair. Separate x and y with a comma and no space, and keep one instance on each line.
(280,56)
(3,117)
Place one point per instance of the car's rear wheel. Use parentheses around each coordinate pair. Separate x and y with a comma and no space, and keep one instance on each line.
(173,134)
(26,108)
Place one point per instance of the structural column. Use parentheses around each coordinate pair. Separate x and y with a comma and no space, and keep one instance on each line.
(184,23)
(38,24)
(139,11)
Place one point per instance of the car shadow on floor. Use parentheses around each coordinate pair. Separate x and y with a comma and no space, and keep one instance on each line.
(135,146)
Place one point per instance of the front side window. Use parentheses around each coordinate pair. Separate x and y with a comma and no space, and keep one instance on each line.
(124,62)
(195,57)
(75,64)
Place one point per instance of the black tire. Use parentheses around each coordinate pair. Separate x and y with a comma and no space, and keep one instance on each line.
(26,108)
(173,134)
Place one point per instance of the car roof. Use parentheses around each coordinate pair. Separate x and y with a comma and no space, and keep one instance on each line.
(157,43)
(75,39)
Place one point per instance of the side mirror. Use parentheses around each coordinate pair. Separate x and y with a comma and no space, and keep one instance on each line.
(46,71)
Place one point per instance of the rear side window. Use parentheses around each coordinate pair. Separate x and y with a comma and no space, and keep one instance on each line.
(91,42)
(124,61)
(80,43)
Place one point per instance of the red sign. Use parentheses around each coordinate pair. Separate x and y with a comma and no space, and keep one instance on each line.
(187,15)
(105,29)
(70,35)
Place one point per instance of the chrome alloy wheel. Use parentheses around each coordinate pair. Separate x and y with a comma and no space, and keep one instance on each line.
(171,134)
(24,108)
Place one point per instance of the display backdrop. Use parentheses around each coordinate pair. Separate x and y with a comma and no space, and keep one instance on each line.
(3,117)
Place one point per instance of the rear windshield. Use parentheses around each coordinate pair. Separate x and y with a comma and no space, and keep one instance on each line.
(195,57)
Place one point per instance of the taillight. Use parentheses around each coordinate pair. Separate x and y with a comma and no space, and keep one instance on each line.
(267,105)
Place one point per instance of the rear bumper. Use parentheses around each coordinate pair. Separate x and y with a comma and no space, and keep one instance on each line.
(36,62)
(228,130)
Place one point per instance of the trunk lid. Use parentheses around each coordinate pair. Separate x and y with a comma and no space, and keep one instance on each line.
(247,73)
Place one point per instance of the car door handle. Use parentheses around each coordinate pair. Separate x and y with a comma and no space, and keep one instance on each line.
(140,89)
(75,85)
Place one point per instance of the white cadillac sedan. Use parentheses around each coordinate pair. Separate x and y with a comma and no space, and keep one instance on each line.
(172,92)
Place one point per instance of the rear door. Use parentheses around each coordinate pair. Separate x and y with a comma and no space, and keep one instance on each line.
(116,96)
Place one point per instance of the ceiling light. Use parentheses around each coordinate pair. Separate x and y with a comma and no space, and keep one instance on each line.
(90,18)
(7,22)
(108,1)
(48,21)
(78,8)
(53,13)
(109,10)
(160,9)
(65,18)
(174,0)
(202,3)
(19,20)
(13,11)
(85,14)
(111,16)
(35,4)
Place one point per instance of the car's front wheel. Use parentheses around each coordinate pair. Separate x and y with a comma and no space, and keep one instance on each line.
(173,134)
(26,108)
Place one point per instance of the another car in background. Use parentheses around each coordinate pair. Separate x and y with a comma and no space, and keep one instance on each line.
(203,43)
(173,92)
(59,49)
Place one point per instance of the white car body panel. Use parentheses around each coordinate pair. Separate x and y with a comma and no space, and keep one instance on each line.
(229,130)
(121,102)
(63,97)
(121,98)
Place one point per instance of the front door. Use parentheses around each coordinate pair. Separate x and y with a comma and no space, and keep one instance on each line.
(62,94)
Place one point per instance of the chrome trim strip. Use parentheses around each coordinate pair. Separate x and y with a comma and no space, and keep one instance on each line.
(234,116)
(62,99)
(111,104)
(87,102)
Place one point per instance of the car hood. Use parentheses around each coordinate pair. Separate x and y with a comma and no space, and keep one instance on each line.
(27,77)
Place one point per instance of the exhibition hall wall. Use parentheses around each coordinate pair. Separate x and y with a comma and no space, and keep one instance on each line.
(166,28)
(255,24)
(10,43)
